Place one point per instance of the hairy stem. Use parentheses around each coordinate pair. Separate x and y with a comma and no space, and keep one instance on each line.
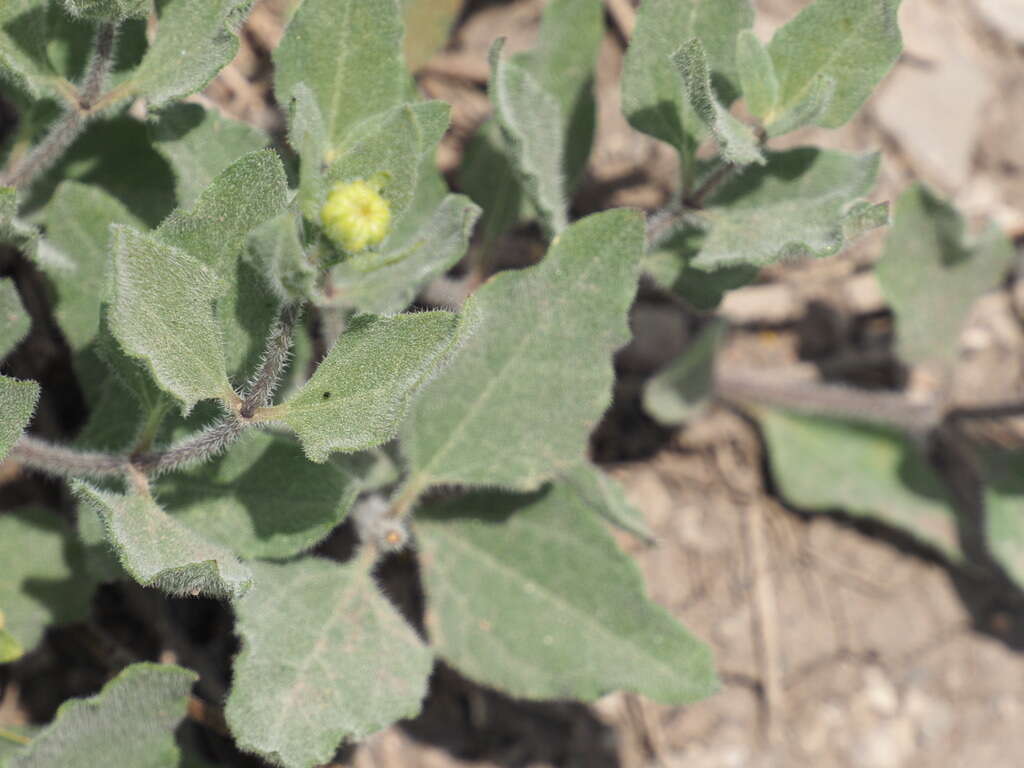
(206,445)
(212,441)
(276,353)
(61,461)
(70,125)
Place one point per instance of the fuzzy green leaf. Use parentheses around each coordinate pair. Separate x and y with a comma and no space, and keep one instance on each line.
(14,321)
(17,403)
(168,322)
(530,595)
(671,268)
(115,155)
(428,24)
(531,120)
(40,46)
(681,390)
(158,551)
(792,207)
(854,42)
(325,658)
(809,109)
(736,141)
(390,283)
(195,39)
(78,224)
(362,390)
(107,10)
(607,498)
(130,722)
(392,144)
(931,274)
(756,74)
(199,143)
(276,251)
(246,313)
(489,178)
(307,135)
(562,62)
(247,193)
(348,52)
(824,465)
(1003,474)
(41,581)
(510,411)
(651,97)
(264,499)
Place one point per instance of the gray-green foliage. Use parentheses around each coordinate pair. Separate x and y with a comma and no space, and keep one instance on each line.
(264,498)
(471,425)
(680,391)
(195,38)
(531,121)
(179,250)
(802,203)
(530,594)
(931,273)
(363,388)
(651,96)
(336,657)
(14,321)
(391,281)
(17,403)
(561,64)
(736,141)
(1004,510)
(107,10)
(853,42)
(245,194)
(758,81)
(199,143)
(130,722)
(41,582)
(606,497)
(159,551)
(78,221)
(391,144)
(826,465)
(208,315)
(170,323)
(347,53)
(30,30)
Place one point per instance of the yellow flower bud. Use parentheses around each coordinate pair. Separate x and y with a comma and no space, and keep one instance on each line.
(355,215)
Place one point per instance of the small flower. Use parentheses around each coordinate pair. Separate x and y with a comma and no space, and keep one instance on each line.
(355,215)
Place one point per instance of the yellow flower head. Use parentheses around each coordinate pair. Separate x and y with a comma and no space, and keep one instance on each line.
(355,215)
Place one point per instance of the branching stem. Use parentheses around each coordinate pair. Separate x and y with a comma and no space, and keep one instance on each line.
(70,125)
(62,461)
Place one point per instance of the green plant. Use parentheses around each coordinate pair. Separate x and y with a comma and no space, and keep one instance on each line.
(185,259)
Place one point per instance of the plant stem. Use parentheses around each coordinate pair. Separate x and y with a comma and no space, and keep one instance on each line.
(62,461)
(711,183)
(276,353)
(70,125)
(404,500)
